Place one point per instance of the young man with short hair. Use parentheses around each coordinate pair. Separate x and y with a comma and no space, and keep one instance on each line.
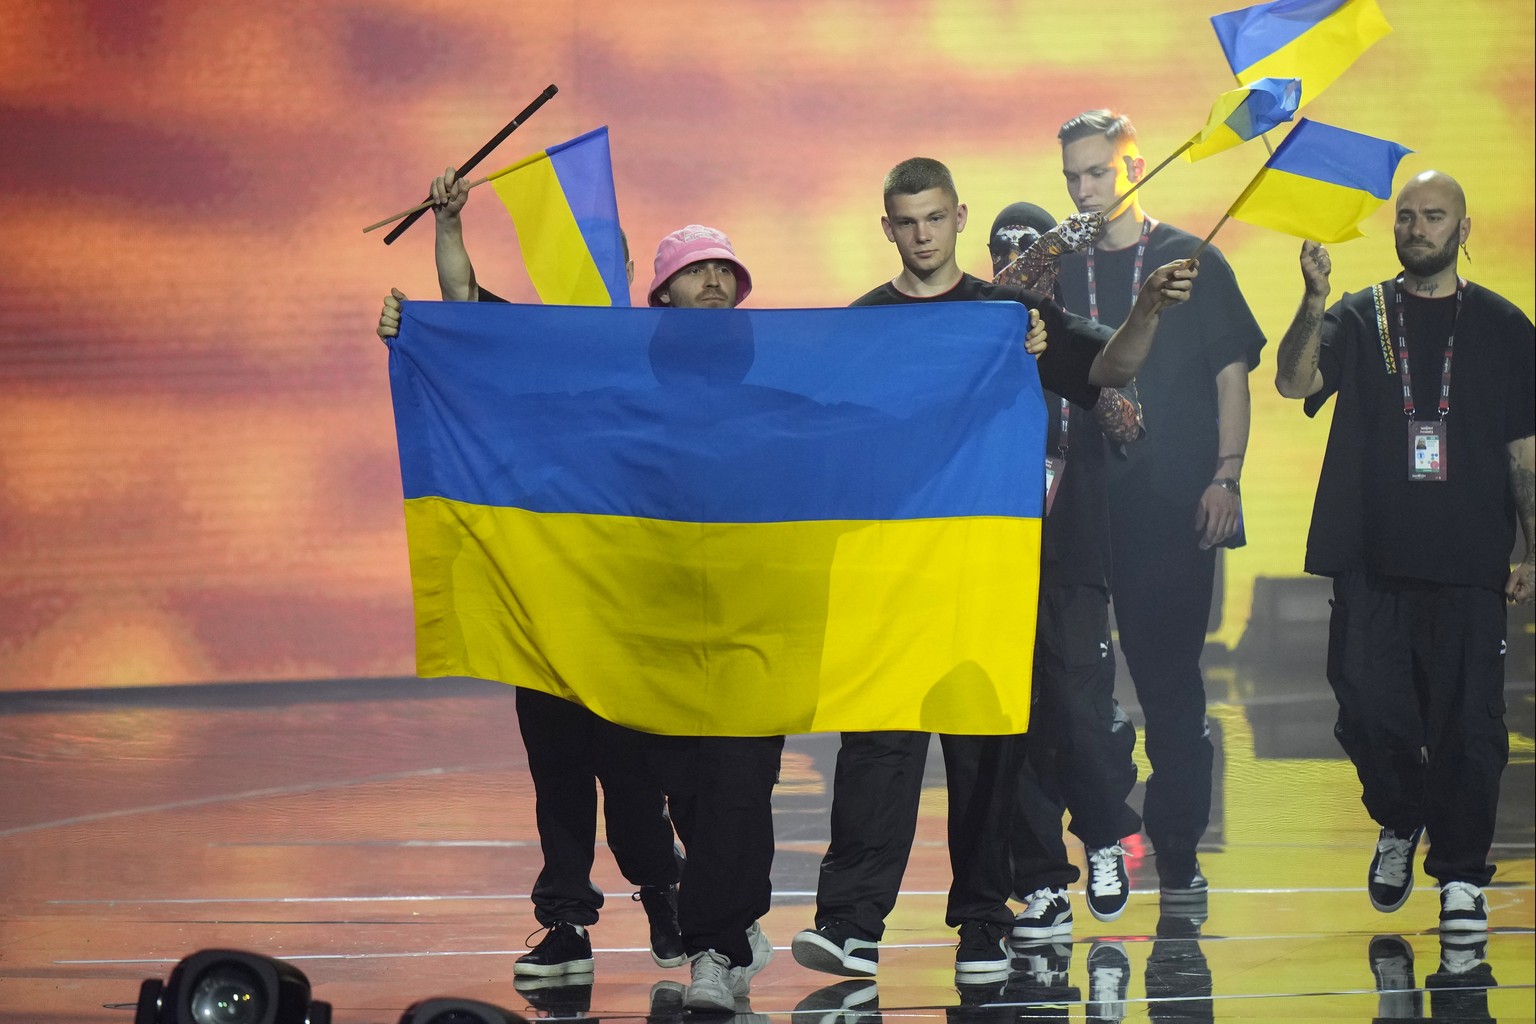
(879,775)
(1174,498)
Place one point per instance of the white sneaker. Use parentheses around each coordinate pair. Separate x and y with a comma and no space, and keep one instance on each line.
(762,952)
(709,984)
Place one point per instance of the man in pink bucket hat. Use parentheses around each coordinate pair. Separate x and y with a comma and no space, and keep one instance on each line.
(696,268)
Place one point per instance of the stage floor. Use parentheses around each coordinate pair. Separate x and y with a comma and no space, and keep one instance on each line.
(379,835)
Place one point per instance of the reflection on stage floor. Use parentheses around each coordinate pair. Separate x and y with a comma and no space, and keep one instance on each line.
(379,836)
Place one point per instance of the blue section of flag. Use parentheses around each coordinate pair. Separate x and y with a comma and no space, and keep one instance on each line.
(899,412)
(1249,35)
(585,168)
(1339,157)
(1270,102)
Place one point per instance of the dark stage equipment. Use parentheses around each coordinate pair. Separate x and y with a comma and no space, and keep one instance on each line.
(447,1010)
(227,986)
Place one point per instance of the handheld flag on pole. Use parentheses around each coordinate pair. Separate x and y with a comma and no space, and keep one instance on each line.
(1320,184)
(567,217)
(727,522)
(1245,113)
(1237,116)
(1313,40)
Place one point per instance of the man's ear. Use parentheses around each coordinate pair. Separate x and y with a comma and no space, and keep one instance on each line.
(885,223)
(1465,229)
(960,214)
(1135,167)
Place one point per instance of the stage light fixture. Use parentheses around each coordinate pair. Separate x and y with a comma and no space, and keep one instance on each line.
(227,986)
(448,1010)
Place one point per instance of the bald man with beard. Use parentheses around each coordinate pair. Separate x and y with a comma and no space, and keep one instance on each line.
(1428,467)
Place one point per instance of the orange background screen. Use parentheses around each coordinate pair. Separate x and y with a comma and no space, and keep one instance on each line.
(197,470)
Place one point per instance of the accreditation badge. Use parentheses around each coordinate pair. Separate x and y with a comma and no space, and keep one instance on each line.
(1054,467)
(1426,449)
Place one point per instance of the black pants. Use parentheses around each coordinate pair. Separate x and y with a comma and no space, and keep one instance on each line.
(875,793)
(1079,743)
(720,790)
(1162,587)
(1418,669)
(569,750)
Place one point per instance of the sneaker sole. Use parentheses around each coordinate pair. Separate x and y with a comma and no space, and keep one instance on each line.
(1109,915)
(554,970)
(969,967)
(671,961)
(1387,908)
(1063,928)
(1464,926)
(709,1002)
(813,951)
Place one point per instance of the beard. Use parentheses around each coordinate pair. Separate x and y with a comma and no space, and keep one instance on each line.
(1427,262)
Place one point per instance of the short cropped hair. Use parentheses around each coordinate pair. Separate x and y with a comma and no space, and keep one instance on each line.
(1117,128)
(919,174)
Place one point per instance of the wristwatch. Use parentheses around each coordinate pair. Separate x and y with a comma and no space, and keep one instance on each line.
(1226,483)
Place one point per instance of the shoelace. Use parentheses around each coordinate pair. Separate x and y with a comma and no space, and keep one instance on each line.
(1392,864)
(1106,868)
(1106,984)
(1460,896)
(711,969)
(1039,904)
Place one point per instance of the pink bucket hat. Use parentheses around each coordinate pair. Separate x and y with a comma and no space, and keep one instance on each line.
(694,244)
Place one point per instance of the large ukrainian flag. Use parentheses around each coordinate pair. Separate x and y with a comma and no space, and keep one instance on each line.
(722,522)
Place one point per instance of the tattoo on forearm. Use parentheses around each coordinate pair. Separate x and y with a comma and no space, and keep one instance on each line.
(1118,417)
(1523,481)
(1294,350)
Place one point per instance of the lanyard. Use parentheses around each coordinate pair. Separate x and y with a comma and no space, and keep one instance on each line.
(1141,251)
(1147,225)
(1402,352)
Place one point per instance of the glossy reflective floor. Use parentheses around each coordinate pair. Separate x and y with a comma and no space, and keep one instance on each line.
(378,834)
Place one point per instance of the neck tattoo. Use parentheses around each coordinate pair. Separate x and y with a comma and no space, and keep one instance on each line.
(1426,287)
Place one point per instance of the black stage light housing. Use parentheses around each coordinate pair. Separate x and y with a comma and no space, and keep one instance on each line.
(448,1010)
(227,986)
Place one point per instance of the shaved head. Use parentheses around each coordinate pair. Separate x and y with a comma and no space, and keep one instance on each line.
(1437,184)
(1431,223)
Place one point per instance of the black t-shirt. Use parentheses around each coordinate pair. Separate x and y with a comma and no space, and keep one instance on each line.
(1177,384)
(1074,541)
(1369,516)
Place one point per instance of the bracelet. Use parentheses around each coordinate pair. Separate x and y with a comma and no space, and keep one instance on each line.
(1226,483)
(1229,458)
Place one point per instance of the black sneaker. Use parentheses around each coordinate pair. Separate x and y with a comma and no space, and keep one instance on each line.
(1109,981)
(1109,885)
(666,1001)
(847,1002)
(1180,917)
(1459,989)
(563,950)
(660,903)
(834,949)
(983,948)
(1392,966)
(1048,914)
(1183,884)
(1462,908)
(1041,966)
(562,995)
(1391,877)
